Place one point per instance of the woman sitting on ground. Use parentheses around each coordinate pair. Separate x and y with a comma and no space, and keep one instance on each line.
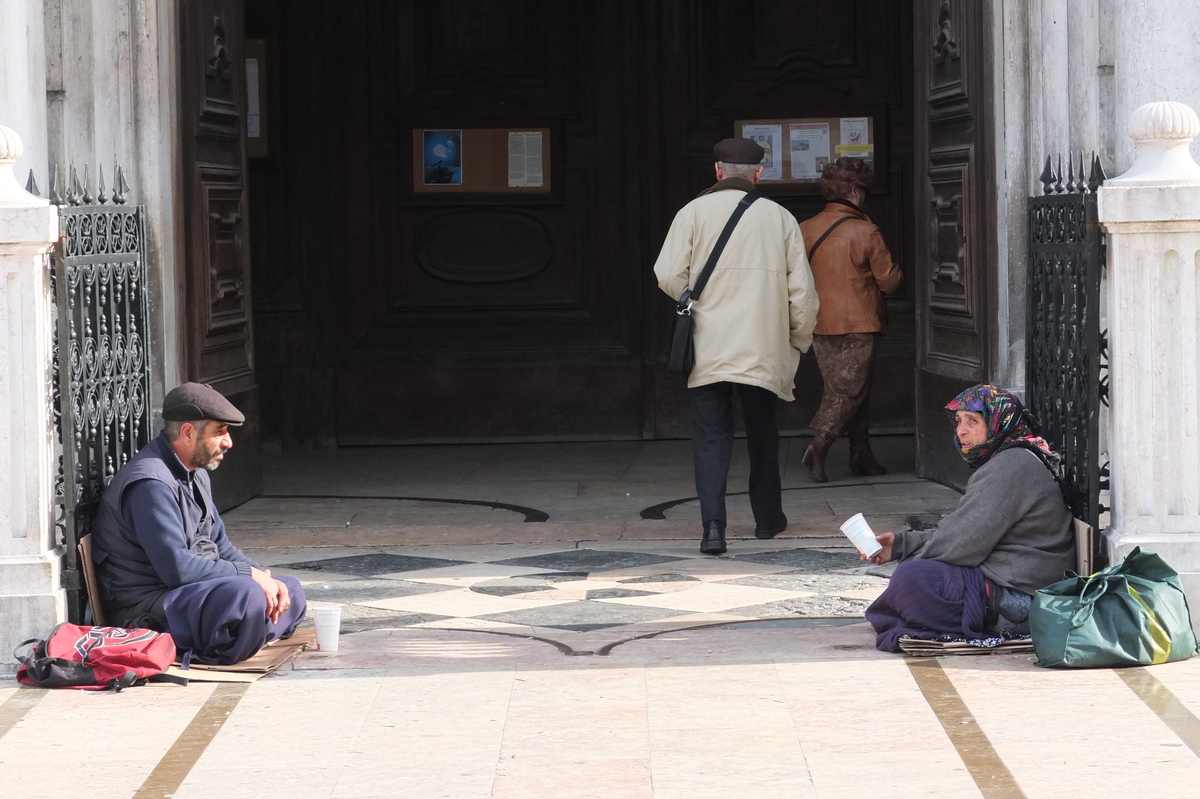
(974,575)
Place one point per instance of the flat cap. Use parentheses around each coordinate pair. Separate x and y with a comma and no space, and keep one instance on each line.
(192,402)
(738,151)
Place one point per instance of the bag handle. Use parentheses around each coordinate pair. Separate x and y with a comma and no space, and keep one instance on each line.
(690,296)
(21,646)
(1095,587)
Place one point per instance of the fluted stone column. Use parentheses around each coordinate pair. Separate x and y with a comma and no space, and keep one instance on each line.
(1152,215)
(31,599)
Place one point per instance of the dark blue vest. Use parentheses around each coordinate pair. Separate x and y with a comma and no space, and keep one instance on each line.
(124,570)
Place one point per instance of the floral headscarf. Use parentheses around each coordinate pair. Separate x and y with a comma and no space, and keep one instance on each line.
(1010,426)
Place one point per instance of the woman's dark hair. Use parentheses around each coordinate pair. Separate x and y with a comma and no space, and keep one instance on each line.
(843,176)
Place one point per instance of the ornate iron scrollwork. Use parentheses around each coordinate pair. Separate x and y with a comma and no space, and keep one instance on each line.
(101,354)
(1066,368)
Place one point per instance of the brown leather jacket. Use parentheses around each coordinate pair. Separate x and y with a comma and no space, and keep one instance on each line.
(852,270)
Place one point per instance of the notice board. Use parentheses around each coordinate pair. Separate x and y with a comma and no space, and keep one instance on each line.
(799,148)
(481,160)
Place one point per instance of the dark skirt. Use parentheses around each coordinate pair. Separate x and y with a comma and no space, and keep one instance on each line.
(926,599)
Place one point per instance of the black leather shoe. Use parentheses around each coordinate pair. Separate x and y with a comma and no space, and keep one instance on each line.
(771,530)
(713,542)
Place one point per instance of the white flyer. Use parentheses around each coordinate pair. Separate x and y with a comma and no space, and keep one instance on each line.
(253,117)
(855,131)
(770,138)
(524,158)
(809,143)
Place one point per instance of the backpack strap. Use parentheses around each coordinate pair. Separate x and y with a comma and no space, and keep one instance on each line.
(812,250)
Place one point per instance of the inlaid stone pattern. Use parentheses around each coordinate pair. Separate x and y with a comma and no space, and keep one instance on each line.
(551,591)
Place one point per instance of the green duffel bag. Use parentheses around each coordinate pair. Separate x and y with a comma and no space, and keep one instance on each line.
(1131,614)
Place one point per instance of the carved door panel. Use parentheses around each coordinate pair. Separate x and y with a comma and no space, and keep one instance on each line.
(214,277)
(494,315)
(717,61)
(956,199)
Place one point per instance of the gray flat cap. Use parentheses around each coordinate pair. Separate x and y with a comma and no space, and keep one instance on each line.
(738,151)
(192,402)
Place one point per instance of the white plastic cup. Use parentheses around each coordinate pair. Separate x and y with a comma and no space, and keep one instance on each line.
(859,533)
(329,625)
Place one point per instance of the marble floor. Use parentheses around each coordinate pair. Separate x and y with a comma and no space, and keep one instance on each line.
(536,621)
(805,708)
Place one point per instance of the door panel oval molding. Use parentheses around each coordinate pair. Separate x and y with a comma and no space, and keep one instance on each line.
(484,246)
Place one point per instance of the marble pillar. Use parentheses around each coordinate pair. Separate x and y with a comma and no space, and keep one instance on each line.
(23,84)
(31,598)
(1152,216)
(1155,57)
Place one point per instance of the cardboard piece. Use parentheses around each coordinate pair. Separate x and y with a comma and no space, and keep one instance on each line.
(1084,535)
(919,648)
(268,659)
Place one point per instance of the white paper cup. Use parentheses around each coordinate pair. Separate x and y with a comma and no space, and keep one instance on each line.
(329,624)
(860,534)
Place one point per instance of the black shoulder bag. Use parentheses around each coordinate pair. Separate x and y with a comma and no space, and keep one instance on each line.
(683,357)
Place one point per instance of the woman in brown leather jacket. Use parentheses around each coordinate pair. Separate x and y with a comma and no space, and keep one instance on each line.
(852,269)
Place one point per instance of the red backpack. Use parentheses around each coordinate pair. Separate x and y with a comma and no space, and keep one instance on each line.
(95,658)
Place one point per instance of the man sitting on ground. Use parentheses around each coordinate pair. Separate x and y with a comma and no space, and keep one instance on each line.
(162,556)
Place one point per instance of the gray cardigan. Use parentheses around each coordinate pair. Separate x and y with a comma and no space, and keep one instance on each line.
(1012,523)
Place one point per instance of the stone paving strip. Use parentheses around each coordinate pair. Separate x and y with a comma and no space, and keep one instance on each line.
(799,708)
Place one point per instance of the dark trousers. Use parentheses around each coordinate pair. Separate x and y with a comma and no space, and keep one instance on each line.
(224,621)
(712,448)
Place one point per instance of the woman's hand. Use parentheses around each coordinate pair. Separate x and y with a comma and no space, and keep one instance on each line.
(884,555)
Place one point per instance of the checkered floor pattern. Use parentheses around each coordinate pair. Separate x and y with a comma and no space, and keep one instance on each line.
(584,590)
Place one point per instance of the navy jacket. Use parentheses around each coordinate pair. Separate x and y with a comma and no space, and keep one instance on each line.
(158,529)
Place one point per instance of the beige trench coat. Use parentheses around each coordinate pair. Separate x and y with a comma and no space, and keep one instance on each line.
(756,314)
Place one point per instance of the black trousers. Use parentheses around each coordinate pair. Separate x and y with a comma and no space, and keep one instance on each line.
(712,449)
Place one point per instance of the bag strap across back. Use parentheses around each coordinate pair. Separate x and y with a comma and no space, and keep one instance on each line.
(693,294)
(812,250)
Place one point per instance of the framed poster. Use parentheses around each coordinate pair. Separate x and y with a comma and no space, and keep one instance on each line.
(482,161)
(799,148)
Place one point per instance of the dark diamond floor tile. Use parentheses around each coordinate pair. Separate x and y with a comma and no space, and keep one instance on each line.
(371,564)
(365,590)
(509,586)
(661,578)
(805,560)
(616,593)
(589,560)
(581,616)
(557,577)
(359,619)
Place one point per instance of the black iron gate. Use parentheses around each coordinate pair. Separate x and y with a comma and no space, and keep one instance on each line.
(101,354)
(1066,350)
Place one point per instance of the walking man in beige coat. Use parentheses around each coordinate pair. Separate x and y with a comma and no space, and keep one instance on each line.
(752,321)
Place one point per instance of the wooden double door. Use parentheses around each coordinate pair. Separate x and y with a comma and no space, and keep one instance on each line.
(387,313)
(382,314)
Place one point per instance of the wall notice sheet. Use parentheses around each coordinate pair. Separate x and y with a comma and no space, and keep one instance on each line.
(524,159)
(253,106)
(770,138)
(809,143)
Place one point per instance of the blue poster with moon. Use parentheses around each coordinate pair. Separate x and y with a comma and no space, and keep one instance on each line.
(443,157)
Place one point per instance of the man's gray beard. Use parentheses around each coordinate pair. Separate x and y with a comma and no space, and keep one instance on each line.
(212,463)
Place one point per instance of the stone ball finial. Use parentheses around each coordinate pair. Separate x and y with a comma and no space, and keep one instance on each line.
(11,193)
(1163,132)
(11,147)
(1164,122)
